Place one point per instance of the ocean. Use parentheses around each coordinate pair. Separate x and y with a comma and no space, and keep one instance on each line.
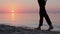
(29,19)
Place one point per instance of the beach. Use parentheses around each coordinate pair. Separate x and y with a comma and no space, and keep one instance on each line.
(7,29)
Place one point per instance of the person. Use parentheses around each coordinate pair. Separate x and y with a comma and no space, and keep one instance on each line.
(43,14)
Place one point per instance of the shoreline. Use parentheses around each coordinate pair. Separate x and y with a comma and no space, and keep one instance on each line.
(7,29)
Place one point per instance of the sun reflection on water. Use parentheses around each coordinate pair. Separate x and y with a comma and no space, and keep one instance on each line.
(12,14)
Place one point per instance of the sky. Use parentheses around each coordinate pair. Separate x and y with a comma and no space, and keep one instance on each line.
(28,6)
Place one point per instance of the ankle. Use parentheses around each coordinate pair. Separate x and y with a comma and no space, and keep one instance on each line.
(39,27)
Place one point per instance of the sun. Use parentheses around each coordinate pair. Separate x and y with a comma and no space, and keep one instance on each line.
(12,11)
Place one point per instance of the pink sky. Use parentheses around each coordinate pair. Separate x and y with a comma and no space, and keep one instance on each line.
(27,6)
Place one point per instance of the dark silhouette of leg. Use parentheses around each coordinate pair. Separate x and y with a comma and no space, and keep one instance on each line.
(46,17)
(41,20)
(48,20)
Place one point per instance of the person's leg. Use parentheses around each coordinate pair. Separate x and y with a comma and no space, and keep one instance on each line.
(41,17)
(46,16)
(41,21)
(48,22)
